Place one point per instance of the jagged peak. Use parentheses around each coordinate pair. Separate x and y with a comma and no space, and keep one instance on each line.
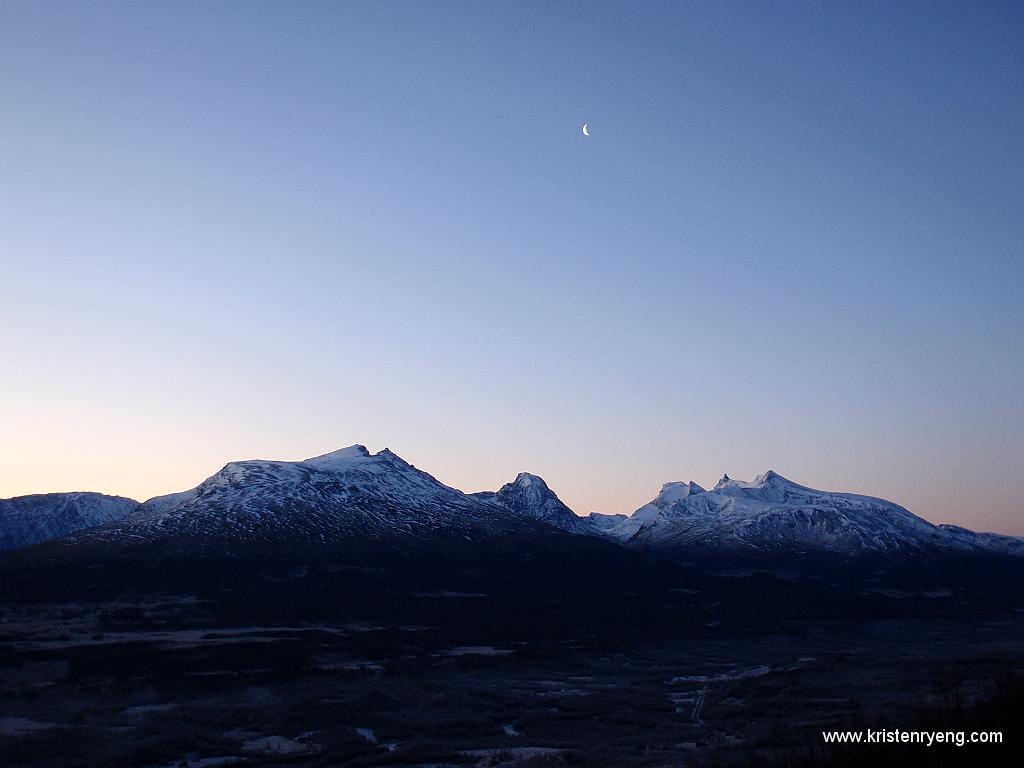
(677,490)
(390,455)
(770,477)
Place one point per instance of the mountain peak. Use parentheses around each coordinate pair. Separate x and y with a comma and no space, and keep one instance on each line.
(529,496)
(390,455)
(677,490)
(526,480)
(770,477)
(356,451)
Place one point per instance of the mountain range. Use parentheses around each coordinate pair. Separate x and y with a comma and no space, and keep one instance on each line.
(352,495)
(773,513)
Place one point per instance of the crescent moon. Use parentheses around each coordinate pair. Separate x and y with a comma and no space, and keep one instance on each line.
(585,131)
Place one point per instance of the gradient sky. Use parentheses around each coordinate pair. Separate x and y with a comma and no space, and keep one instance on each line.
(794,240)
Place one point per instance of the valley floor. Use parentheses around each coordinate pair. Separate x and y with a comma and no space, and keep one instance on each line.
(121,684)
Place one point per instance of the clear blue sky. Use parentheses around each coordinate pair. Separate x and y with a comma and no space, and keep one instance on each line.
(794,240)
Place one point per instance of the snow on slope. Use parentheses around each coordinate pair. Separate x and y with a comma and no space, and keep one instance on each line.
(605,525)
(348,494)
(26,520)
(772,512)
(622,527)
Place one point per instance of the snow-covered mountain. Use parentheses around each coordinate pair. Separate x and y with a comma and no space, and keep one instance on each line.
(529,496)
(347,495)
(26,520)
(773,513)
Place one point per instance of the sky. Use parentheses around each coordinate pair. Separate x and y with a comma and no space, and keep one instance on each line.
(794,240)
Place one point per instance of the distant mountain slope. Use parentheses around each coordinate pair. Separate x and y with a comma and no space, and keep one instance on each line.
(773,513)
(987,542)
(26,520)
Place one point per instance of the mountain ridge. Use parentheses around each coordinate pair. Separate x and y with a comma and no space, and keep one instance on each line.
(39,517)
(351,493)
